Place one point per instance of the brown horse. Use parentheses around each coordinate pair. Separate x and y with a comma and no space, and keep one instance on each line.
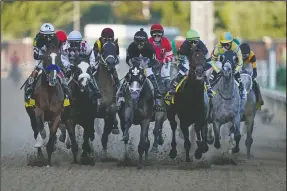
(49,105)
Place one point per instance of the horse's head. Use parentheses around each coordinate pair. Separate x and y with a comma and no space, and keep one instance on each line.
(228,60)
(109,55)
(82,75)
(197,64)
(136,78)
(51,68)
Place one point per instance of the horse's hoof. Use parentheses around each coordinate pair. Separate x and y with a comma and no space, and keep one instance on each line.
(160,141)
(210,141)
(217,145)
(198,154)
(115,131)
(154,150)
(140,166)
(173,154)
(205,148)
(188,159)
(235,150)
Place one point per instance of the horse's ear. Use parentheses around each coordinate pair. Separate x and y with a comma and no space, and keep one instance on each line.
(116,41)
(221,58)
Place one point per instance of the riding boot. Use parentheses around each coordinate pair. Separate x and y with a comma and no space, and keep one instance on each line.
(241,87)
(64,85)
(29,88)
(120,93)
(259,99)
(208,86)
(174,85)
(116,78)
(153,80)
(95,93)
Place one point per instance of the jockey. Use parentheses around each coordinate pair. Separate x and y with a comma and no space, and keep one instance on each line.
(249,58)
(44,39)
(227,43)
(192,43)
(75,48)
(107,35)
(141,46)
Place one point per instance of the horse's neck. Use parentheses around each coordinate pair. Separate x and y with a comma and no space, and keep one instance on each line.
(194,85)
(227,85)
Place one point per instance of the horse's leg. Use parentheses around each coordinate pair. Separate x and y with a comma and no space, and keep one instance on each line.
(249,123)
(63,134)
(204,130)
(51,143)
(128,124)
(202,147)
(115,128)
(159,118)
(107,130)
(40,127)
(216,130)
(237,135)
(171,117)
(144,143)
(70,125)
(33,121)
(187,143)
(87,124)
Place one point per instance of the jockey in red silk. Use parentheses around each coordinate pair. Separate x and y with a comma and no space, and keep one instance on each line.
(161,44)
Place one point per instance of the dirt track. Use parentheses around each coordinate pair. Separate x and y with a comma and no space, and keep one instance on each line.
(266,170)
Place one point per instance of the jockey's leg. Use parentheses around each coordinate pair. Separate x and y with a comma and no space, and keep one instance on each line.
(241,87)
(116,77)
(152,78)
(29,88)
(259,99)
(120,93)
(209,88)
(64,84)
(182,71)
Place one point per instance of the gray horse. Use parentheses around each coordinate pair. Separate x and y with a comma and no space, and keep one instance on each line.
(250,107)
(160,114)
(226,103)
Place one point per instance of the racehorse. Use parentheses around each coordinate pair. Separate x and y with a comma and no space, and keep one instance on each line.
(138,106)
(49,105)
(226,102)
(250,108)
(191,106)
(83,111)
(107,109)
(168,73)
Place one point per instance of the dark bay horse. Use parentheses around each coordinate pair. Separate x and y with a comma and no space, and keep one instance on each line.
(48,104)
(191,106)
(138,106)
(107,109)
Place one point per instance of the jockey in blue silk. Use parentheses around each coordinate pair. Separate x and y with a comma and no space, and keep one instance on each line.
(227,43)
(44,39)
(192,43)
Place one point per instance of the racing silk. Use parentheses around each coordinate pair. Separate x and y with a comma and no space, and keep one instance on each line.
(40,45)
(163,50)
(147,51)
(99,45)
(251,60)
(185,51)
(85,51)
(219,50)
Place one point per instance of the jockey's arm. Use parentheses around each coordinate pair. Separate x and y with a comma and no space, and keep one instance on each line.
(214,57)
(168,52)
(254,64)
(96,49)
(240,59)
(93,62)
(206,55)
(128,54)
(65,60)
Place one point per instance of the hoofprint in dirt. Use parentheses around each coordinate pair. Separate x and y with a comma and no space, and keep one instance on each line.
(266,170)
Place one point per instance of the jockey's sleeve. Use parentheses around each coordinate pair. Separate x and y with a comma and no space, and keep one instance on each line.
(92,59)
(168,51)
(65,60)
(36,53)
(254,65)
(96,48)
(214,57)
(128,56)
(239,56)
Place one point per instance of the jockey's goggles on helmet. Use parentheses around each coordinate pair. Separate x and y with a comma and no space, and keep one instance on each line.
(47,36)
(245,56)
(155,34)
(192,41)
(105,39)
(75,44)
(139,40)
(226,45)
